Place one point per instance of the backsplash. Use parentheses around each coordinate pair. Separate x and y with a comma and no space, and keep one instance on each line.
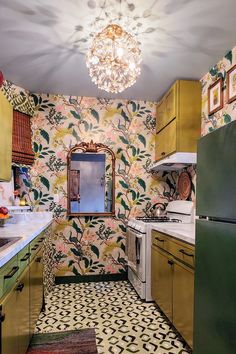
(228,112)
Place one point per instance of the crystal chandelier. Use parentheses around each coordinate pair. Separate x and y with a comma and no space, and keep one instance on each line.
(114,59)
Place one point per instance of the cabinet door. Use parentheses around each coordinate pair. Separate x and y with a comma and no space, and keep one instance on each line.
(171,101)
(166,141)
(22,290)
(36,289)
(161,115)
(6,119)
(161,280)
(9,325)
(183,300)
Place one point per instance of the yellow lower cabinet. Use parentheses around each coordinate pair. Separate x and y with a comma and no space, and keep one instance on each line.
(23,312)
(183,300)
(162,280)
(9,323)
(36,289)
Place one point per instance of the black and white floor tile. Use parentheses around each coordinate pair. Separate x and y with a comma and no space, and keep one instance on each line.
(123,323)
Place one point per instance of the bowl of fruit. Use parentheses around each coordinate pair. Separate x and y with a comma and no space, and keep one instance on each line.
(4,215)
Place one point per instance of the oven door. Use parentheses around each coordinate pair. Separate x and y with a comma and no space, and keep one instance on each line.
(136,258)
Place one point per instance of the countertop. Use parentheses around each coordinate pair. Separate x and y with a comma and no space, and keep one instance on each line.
(184,232)
(24,225)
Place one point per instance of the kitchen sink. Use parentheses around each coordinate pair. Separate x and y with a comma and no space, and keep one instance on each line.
(7,242)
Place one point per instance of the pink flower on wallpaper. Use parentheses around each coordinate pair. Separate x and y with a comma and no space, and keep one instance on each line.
(61,154)
(111,135)
(39,168)
(111,223)
(63,202)
(136,125)
(39,121)
(60,247)
(61,108)
(136,170)
(111,268)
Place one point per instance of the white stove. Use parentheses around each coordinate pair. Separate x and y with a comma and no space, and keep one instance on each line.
(139,243)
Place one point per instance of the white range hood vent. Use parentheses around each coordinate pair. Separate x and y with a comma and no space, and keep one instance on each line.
(175,162)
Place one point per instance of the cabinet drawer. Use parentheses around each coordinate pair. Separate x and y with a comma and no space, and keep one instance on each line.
(182,251)
(36,245)
(23,259)
(159,239)
(166,141)
(8,276)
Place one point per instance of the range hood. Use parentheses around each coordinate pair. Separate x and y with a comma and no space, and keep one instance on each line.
(175,162)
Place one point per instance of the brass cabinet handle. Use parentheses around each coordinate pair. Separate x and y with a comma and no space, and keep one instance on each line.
(11,273)
(26,256)
(20,287)
(170,262)
(38,259)
(159,239)
(186,253)
(2,317)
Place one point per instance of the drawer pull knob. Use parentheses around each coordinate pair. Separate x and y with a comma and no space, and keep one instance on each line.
(163,153)
(38,259)
(35,247)
(11,273)
(2,317)
(159,239)
(170,262)
(20,287)
(26,256)
(186,253)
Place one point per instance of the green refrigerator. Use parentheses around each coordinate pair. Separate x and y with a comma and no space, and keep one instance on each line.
(215,267)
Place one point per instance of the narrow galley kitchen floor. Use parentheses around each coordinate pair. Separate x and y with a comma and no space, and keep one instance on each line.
(123,323)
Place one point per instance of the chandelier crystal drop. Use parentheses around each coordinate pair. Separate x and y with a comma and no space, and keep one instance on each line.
(114,59)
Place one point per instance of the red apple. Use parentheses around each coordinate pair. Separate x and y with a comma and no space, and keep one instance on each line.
(3,210)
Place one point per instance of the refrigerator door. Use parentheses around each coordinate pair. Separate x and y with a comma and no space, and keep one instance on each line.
(216,173)
(215,288)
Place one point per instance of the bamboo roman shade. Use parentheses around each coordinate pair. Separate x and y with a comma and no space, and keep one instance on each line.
(22,152)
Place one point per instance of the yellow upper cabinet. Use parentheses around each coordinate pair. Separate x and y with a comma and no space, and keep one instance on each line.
(179,119)
(6,120)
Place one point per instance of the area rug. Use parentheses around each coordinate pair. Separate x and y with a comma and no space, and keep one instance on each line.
(81,341)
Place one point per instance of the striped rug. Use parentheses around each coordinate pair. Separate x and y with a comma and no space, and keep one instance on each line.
(70,342)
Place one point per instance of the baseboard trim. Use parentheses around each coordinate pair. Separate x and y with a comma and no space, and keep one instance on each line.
(90,278)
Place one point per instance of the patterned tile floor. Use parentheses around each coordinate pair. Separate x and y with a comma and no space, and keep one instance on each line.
(123,323)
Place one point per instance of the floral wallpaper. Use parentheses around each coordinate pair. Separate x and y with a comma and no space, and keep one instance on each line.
(228,112)
(18,97)
(95,245)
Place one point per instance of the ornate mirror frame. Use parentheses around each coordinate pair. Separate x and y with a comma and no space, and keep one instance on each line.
(91,148)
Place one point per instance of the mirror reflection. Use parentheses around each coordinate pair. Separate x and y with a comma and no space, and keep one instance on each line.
(91,180)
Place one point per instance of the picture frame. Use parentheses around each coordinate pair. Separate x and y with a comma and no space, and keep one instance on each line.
(231,84)
(215,96)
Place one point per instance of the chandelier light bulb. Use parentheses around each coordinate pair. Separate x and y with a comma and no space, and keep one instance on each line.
(114,58)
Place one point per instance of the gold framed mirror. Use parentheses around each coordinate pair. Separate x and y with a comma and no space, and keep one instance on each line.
(91,180)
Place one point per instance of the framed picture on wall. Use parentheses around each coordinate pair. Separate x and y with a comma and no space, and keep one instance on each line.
(215,97)
(231,84)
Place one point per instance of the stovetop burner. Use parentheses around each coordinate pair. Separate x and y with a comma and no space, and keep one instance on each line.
(157,219)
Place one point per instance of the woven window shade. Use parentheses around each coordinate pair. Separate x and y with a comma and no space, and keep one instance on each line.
(22,152)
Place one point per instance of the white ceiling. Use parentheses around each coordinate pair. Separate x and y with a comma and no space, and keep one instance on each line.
(43,43)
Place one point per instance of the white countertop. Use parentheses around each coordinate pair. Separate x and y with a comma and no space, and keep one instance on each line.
(184,232)
(27,226)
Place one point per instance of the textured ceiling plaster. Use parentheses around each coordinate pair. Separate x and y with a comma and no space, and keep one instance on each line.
(43,43)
